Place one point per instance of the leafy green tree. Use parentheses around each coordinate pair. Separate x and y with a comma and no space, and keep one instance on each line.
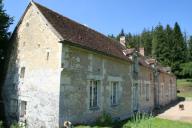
(5,21)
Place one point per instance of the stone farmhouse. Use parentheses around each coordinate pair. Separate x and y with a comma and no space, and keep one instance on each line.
(61,70)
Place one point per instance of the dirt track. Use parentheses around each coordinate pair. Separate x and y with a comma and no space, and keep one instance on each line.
(174,113)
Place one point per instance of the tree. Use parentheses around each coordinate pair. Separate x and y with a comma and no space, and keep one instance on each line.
(169,44)
(130,41)
(186,70)
(146,39)
(5,21)
(190,48)
(120,34)
(159,50)
(179,47)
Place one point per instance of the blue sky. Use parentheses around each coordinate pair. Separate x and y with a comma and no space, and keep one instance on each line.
(110,16)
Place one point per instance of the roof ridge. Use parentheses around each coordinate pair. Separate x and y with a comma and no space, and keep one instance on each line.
(76,22)
(81,35)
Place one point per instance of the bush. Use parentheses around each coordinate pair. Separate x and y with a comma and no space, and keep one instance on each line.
(104,120)
(1,124)
(139,120)
(186,70)
(16,125)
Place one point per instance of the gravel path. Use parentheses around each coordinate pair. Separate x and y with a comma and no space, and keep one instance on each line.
(174,113)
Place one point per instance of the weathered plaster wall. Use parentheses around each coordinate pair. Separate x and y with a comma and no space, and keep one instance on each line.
(80,66)
(41,83)
(167,88)
(146,89)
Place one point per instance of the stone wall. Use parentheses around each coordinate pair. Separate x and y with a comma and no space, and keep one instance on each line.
(56,81)
(167,88)
(38,50)
(146,89)
(80,66)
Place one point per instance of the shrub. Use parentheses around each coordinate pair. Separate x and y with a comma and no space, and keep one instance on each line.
(16,125)
(139,120)
(104,120)
(186,70)
(1,124)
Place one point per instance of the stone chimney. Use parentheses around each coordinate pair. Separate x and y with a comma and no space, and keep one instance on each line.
(122,38)
(142,51)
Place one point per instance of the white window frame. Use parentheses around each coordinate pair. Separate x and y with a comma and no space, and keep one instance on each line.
(114,93)
(93,94)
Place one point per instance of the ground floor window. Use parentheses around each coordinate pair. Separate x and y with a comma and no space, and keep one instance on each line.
(23,106)
(147,91)
(93,96)
(114,93)
(14,106)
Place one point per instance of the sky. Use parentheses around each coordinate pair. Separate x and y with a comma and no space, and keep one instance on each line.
(110,16)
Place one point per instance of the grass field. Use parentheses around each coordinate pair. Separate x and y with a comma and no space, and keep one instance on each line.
(185,88)
(149,123)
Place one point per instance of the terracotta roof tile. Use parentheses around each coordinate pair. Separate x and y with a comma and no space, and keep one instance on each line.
(81,35)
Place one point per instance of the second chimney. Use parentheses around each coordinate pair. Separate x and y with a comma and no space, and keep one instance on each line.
(142,51)
(122,40)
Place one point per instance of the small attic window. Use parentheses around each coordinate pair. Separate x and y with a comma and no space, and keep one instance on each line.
(38,45)
(47,54)
(23,44)
(22,73)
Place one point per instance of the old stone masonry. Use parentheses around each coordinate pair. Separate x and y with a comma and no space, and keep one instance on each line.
(60,70)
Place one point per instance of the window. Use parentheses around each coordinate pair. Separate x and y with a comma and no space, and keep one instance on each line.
(47,55)
(147,91)
(23,44)
(114,93)
(13,106)
(93,90)
(22,73)
(23,108)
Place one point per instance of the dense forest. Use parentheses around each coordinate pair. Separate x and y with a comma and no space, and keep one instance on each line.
(169,45)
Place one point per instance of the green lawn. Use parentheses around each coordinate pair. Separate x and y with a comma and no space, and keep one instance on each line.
(148,123)
(184,82)
(185,87)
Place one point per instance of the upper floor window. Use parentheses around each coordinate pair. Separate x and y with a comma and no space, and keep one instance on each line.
(93,96)
(47,54)
(114,92)
(22,73)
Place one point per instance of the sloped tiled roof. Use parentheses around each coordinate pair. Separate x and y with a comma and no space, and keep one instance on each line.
(128,51)
(81,35)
